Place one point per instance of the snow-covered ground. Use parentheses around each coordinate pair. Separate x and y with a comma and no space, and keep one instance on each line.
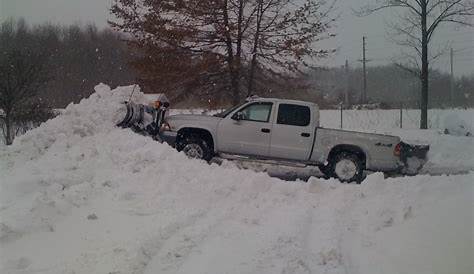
(78,195)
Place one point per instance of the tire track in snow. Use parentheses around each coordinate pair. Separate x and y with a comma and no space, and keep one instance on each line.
(234,215)
(182,245)
(275,240)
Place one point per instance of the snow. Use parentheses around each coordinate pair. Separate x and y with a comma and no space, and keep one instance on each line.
(438,119)
(454,125)
(418,228)
(78,195)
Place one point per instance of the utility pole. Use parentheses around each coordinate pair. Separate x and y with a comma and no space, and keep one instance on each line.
(451,90)
(346,93)
(364,68)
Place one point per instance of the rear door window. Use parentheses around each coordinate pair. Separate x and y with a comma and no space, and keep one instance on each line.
(294,115)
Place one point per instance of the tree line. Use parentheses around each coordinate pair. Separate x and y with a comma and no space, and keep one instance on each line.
(389,86)
(49,66)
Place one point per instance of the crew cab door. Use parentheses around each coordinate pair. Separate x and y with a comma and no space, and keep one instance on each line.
(293,132)
(249,134)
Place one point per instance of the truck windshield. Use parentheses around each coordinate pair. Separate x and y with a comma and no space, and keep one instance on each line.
(226,112)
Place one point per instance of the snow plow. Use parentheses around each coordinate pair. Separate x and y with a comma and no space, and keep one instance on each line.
(146,120)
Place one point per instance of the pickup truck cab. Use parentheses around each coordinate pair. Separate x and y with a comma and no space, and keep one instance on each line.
(282,131)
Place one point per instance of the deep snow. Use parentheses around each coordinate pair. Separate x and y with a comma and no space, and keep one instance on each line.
(78,195)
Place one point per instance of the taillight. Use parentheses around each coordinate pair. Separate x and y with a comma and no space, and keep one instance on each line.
(398,150)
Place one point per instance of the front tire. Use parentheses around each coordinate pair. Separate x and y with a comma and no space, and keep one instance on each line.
(346,167)
(195,148)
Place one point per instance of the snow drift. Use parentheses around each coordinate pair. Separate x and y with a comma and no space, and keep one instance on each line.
(78,195)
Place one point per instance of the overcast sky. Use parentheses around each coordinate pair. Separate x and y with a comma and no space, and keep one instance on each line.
(349,30)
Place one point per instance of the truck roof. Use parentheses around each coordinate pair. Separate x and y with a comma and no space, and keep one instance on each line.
(278,100)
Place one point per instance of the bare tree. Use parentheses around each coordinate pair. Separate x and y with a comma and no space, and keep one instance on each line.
(214,45)
(21,75)
(418,24)
(284,34)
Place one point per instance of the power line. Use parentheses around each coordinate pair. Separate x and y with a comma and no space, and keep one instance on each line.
(392,45)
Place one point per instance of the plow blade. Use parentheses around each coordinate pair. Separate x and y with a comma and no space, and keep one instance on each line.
(132,113)
(142,119)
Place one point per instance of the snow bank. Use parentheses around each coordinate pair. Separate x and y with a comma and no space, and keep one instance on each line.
(78,195)
(456,126)
(412,225)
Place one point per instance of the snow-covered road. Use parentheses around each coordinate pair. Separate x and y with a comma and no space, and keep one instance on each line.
(78,195)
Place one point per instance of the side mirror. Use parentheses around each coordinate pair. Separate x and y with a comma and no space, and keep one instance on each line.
(238,116)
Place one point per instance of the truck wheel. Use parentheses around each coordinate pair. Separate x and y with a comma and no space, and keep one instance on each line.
(346,167)
(195,148)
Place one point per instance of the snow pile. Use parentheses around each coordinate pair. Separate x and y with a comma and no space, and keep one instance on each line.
(450,155)
(456,126)
(412,225)
(93,115)
(78,195)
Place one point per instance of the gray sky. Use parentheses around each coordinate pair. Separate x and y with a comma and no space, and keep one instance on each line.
(349,30)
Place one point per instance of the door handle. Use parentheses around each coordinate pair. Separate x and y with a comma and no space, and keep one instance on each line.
(304,134)
(265,130)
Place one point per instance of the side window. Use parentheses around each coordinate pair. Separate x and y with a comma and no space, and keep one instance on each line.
(258,112)
(294,115)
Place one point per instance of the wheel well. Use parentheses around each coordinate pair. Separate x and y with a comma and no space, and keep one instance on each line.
(198,132)
(348,148)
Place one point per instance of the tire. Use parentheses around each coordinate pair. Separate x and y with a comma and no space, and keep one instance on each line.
(346,167)
(195,148)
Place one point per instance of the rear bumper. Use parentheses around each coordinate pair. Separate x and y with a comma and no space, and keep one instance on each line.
(168,137)
(411,160)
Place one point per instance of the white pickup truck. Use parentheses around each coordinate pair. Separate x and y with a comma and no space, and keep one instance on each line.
(285,132)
